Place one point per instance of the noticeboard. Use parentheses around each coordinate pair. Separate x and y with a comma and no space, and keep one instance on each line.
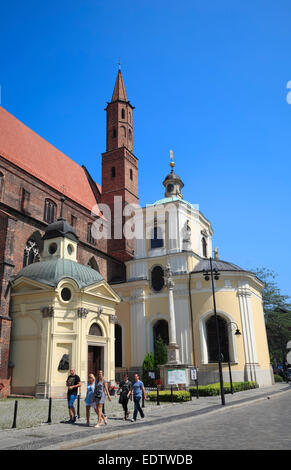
(177,376)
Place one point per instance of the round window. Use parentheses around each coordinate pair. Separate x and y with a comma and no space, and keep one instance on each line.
(52,248)
(70,249)
(66,294)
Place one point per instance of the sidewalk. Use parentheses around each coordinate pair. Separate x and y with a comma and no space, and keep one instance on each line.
(72,436)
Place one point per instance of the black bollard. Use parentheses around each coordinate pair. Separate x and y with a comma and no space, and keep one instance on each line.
(15,414)
(158,396)
(190,394)
(103,410)
(78,406)
(49,419)
(197,390)
(142,402)
(172,396)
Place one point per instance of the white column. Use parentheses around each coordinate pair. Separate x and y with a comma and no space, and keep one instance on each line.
(138,327)
(173,348)
(248,332)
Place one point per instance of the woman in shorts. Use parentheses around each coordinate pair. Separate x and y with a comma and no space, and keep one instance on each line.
(89,397)
(99,397)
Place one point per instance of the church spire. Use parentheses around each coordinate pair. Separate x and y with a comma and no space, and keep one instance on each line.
(173,182)
(119,118)
(119,92)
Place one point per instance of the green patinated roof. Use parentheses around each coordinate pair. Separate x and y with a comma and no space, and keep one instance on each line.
(166,200)
(51,272)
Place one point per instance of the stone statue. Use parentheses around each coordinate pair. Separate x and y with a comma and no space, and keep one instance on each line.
(187,246)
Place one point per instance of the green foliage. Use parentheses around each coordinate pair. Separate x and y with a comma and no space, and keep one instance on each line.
(277,310)
(148,366)
(214,389)
(161,353)
(278,378)
(165,395)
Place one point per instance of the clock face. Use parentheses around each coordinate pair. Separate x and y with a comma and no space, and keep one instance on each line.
(170,188)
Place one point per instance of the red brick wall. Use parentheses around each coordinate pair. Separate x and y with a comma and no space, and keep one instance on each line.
(17,226)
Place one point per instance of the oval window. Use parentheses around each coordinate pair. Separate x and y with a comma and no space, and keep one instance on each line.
(52,248)
(66,294)
(157,278)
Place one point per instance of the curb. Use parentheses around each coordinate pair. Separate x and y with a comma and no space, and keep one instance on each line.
(140,427)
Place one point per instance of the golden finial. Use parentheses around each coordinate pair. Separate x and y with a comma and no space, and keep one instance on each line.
(172,164)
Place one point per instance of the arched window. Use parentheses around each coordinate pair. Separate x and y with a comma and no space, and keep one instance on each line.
(113,172)
(157,278)
(161,329)
(157,240)
(130,134)
(204,247)
(131,174)
(123,131)
(122,113)
(50,210)
(211,334)
(93,264)
(118,345)
(95,330)
(31,252)
(114,132)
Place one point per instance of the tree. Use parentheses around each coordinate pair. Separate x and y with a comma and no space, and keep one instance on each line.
(277,312)
(161,355)
(148,366)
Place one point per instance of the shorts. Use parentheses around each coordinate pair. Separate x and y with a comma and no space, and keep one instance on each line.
(71,400)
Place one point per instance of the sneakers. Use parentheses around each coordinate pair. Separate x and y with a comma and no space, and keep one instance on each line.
(133,420)
(75,418)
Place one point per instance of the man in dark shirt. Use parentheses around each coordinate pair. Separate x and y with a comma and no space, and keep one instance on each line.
(73,383)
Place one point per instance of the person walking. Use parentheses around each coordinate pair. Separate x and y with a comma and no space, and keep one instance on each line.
(137,390)
(73,383)
(100,390)
(89,397)
(124,389)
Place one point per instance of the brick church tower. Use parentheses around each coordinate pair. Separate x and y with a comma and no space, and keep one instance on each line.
(119,169)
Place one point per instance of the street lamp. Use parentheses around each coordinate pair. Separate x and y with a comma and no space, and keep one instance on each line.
(214,274)
(237,333)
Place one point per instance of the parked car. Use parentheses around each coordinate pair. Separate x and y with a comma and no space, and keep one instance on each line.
(288,375)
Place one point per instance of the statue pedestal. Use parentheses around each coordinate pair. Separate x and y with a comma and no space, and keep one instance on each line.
(173,354)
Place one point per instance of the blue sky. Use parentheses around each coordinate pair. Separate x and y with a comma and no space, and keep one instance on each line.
(208,80)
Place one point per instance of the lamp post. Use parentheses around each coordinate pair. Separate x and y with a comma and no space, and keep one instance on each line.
(237,333)
(214,274)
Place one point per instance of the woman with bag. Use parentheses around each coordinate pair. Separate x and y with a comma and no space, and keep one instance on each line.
(124,388)
(99,397)
(89,397)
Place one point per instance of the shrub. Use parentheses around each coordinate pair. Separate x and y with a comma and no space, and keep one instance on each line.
(278,378)
(165,395)
(214,389)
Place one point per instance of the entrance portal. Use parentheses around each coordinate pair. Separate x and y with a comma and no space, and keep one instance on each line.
(95,359)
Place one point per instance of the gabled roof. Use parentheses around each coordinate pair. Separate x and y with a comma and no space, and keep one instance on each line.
(27,150)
